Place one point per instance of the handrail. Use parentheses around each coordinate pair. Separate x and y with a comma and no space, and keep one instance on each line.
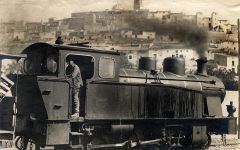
(170,79)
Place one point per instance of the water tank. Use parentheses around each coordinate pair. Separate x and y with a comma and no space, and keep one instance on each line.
(147,63)
(174,65)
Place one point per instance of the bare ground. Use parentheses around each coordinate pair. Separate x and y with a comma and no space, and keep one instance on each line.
(232,143)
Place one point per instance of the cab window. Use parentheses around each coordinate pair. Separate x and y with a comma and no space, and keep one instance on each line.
(51,64)
(41,64)
(32,65)
(106,67)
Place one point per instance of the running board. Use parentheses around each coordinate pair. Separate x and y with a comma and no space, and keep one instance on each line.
(76,133)
(126,144)
(6,135)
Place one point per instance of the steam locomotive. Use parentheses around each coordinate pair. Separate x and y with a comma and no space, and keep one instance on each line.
(119,108)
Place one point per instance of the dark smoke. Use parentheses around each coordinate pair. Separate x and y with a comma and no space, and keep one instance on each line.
(187,33)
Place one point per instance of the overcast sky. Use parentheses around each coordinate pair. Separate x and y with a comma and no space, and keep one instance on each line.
(37,10)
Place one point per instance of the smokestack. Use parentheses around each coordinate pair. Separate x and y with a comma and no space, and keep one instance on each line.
(137,4)
(202,66)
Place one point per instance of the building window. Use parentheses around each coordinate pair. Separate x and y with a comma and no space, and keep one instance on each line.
(233,70)
(130,56)
(155,55)
(181,56)
(232,63)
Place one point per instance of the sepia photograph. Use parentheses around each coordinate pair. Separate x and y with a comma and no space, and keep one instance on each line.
(119,75)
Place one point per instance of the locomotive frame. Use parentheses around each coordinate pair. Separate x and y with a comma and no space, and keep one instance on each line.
(115,112)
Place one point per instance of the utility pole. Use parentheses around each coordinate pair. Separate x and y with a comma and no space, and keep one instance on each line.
(238,79)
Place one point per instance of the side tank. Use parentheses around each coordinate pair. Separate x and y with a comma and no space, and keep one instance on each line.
(174,74)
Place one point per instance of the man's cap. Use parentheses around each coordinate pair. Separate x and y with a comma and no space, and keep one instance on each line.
(69,59)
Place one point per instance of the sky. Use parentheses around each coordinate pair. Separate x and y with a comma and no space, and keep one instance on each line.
(41,10)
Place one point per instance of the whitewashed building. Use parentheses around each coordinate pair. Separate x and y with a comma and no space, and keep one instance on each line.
(231,46)
(188,54)
(146,35)
(48,36)
(20,35)
(160,54)
(138,35)
(228,62)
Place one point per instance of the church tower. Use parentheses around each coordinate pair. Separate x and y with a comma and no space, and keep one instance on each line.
(137,4)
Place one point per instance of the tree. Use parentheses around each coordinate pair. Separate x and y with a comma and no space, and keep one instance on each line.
(227,77)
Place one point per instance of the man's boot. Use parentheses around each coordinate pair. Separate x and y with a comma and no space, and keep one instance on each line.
(75,115)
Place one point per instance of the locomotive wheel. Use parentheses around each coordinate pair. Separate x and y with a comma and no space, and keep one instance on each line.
(17,142)
(186,141)
(21,143)
(137,135)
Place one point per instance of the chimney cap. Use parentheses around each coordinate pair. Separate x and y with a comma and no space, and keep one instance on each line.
(202,66)
(202,59)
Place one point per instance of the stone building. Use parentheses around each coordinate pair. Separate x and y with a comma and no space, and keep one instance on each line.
(214,20)
(228,46)
(33,30)
(207,22)
(173,18)
(158,14)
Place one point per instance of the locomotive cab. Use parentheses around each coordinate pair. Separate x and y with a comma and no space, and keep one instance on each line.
(48,63)
(45,92)
(41,62)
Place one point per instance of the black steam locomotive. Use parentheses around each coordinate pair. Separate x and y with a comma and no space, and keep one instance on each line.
(119,108)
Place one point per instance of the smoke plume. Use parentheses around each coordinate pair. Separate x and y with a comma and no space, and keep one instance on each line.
(187,33)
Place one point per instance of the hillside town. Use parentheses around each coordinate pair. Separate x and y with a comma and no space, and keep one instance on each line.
(33,82)
(110,30)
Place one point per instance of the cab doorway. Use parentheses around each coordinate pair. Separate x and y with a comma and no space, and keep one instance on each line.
(86,66)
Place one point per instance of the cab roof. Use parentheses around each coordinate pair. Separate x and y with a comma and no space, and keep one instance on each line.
(57,47)
(11,56)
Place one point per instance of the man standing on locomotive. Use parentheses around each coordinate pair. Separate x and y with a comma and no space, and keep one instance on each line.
(74,72)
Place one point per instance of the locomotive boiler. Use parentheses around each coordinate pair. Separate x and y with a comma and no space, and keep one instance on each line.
(119,108)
